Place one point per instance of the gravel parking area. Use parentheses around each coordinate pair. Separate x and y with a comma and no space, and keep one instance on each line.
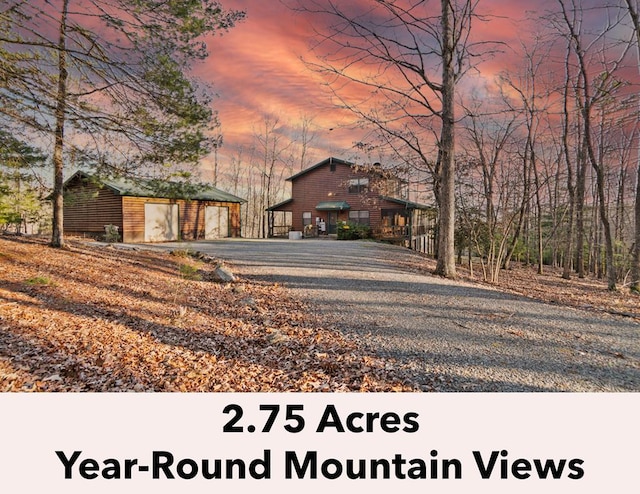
(444,335)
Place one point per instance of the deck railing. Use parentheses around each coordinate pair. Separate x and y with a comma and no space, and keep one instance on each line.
(419,238)
(390,232)
(423,243)
(399,232)
(280,231)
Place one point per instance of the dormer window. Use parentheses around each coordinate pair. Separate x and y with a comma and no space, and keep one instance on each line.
(358,185)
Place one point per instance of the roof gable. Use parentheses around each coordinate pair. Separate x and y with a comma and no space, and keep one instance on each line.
(325,162)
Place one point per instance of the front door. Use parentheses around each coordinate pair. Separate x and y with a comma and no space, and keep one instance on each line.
(332,222)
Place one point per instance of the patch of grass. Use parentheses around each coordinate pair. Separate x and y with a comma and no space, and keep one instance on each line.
(39,280)
(182,253)
(189,272)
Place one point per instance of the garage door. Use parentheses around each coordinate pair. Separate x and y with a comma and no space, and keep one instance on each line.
(160,222)
(216,220)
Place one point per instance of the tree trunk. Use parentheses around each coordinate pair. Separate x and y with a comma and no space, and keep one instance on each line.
(620,209)
(539,238)
(580,193)
(521,216)
(57,238)
(446,265)
(602,209)
(635,264)
(568,255)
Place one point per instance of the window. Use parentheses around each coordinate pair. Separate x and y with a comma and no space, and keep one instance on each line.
(393,187)
(359,217)
(306,218)
(358,185)
(395,217)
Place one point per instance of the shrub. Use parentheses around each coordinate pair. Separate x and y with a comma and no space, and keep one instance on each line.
(352,231)
(183,253)
(111,234)
(39,280)
(189,272)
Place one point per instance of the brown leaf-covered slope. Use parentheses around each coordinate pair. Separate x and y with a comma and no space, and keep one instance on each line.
(104,319)
(588,293)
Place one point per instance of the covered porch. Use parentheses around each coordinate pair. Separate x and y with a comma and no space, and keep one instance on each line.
(403,225)
(322,220)
(279,220)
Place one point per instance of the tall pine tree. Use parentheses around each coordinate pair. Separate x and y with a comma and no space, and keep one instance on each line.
(107,82)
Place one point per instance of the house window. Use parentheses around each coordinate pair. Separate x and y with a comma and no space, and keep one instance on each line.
(395,217)
(306,218)
(359,217)
(393,187)
(358,185)
(332,167)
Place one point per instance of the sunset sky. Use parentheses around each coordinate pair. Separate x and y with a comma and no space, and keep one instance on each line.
(256,69)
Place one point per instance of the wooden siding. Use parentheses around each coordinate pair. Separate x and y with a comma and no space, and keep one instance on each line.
(88,208)
(235,227)
(192,218)
(133,217)
(322,184)
(190,214)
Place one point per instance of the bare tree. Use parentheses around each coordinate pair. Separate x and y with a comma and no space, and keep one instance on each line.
(569,162)
(303,138)
(634,14)
(592,89)
(271,149)
(534,102)
(396,64)
(490,134)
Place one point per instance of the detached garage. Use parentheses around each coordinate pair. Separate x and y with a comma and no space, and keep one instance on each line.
(143,214)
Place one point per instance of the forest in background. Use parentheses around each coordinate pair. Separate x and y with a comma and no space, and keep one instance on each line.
(546,159)
(546,156)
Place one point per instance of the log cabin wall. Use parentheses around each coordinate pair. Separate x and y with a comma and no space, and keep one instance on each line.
(192,218)
(88,208)
(190,214)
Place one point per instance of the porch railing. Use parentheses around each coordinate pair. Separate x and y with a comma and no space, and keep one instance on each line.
(280,231)
(398,232)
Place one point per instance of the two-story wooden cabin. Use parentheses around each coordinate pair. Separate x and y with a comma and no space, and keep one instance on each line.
(335,190)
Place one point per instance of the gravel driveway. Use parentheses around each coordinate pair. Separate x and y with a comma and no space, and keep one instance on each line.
(447,336)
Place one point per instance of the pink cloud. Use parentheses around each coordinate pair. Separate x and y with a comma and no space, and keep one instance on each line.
(256,68)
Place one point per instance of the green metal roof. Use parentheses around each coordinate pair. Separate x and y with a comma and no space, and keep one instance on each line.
(275,207)
(164,189)
(333,206)
(407,204)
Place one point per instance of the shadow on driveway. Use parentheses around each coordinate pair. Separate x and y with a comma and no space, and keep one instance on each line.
(474,338)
